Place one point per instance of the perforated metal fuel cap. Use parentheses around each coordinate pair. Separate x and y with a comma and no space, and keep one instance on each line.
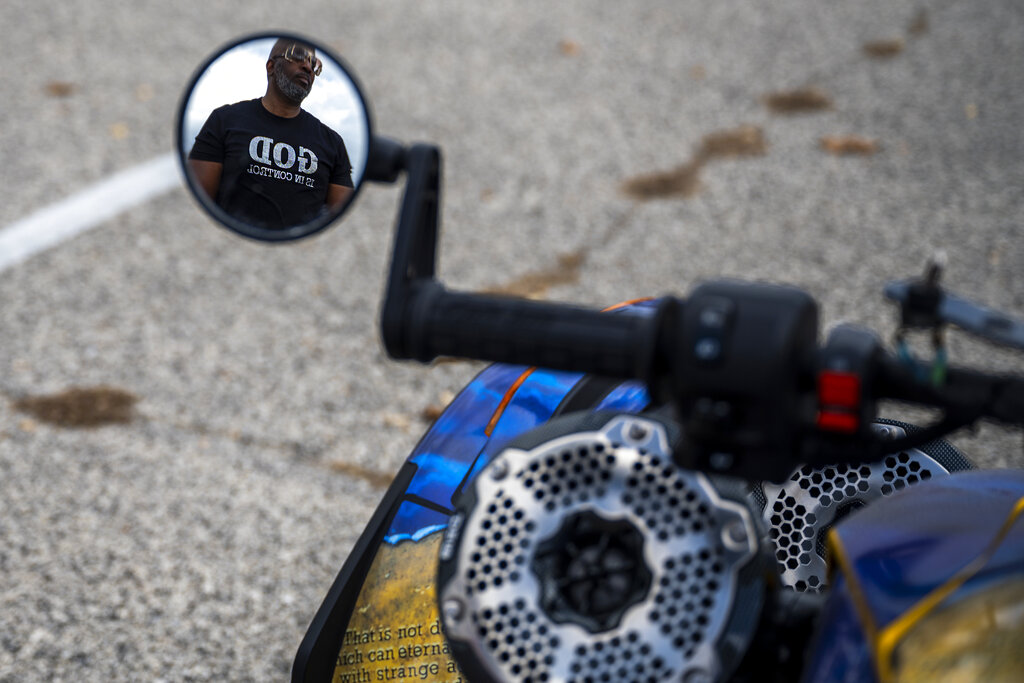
(590,556)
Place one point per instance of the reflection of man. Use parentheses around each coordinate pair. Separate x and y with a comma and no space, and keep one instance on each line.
(266,161)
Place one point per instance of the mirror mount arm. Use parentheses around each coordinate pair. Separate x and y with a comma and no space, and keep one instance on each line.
(386,160)
(414,253)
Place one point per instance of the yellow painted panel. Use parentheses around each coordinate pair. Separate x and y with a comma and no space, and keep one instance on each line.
(394,633)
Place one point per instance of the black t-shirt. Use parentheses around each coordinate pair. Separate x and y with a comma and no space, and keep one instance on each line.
(276,170)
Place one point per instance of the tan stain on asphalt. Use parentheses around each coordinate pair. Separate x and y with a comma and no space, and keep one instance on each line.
(431,412)
(569,48)
(884,49)
(81,407)
(849,145)
(119,131)
(799,101)
(681,181)
(535,284)
(887,48)
(435,410)
(745,141)
(59,89)
(373,477)
(919,24)
(396,421)
(684,180)
(144,92)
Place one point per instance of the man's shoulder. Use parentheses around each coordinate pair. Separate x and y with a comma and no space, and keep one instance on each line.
(312,121)
(243,107)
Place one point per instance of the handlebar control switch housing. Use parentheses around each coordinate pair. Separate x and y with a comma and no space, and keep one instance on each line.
(845,406)
(744,355)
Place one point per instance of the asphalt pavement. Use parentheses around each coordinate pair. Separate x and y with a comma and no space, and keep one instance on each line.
(595,152)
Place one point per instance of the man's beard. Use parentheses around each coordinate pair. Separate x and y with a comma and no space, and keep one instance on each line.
(289,88)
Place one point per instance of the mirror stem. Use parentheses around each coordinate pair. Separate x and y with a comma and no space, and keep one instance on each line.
(386,161)
(415,246)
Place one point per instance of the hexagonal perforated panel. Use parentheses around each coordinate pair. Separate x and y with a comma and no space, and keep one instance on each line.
(621,481)
(523,643)
(501,543)
(801,511)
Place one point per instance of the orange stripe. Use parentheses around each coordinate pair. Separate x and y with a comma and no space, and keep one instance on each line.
(506,399)
(626,303)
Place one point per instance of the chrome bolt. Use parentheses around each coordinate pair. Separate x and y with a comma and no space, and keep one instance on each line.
(734,535)
(888,432)
(451,610)
(637,432)
(499,469)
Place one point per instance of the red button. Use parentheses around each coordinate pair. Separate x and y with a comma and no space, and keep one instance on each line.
(838,422)
(839,389)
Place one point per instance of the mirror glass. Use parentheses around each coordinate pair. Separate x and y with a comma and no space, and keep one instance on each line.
(273,136)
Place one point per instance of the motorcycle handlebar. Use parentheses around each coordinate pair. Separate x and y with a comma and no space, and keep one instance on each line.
(431,321)
(436,322)
(740,362)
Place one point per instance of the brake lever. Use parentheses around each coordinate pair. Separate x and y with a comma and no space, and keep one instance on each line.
(949,308)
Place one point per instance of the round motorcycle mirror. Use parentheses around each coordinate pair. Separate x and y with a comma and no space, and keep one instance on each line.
(273,136)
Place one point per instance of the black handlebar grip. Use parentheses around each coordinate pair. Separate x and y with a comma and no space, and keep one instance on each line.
(437,322)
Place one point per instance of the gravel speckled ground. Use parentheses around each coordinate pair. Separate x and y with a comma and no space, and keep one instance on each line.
(196,541)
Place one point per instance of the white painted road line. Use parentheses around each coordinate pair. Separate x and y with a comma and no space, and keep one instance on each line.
(87,209)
